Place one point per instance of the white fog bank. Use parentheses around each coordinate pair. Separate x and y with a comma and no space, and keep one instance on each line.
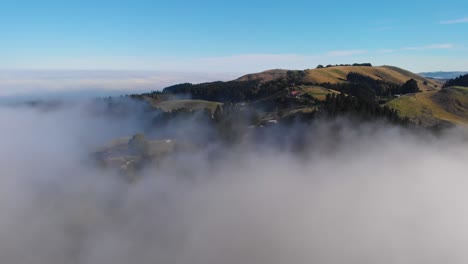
(360,194)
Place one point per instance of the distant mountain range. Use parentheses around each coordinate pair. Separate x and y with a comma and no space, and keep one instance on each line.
(440,75)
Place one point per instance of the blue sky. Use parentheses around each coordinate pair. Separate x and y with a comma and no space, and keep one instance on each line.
(236,36)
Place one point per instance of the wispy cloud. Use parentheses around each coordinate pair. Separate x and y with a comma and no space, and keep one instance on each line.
(455,21)
(343,53)
(96,83)
(380,51)
(432,46)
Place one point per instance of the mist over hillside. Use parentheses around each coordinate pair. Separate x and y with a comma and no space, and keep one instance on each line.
(233,132)
(354,193)
(20,85)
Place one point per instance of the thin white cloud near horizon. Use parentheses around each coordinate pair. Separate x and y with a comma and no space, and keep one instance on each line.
(238,63)
(454,21)
(163,72)
(95,83)
(385,56)
(432,46)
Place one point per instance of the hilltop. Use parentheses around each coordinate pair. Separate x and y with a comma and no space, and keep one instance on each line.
(264,76)
(338,74)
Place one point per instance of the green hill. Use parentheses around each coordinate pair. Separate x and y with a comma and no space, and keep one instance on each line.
(434,107)
(337,74)
(279,92)
(391,74)
(317,92)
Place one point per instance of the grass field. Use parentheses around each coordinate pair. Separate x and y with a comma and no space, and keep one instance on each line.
(449,104)
(338,74)
(317,91)
(386,73)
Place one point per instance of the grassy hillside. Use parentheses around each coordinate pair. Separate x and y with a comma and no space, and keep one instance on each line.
(264,76)
(430,108)
(316,91)
(188,104)
(386,73)
(433,106)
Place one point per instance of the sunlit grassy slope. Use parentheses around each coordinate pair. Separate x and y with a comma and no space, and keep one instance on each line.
(338,74)
(386,73)
(317,91)
(428,108)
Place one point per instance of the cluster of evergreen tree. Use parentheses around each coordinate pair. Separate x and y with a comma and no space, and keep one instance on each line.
(379,87)
(295,76)
(337,65)
(411,86)
(342,104)
(459,81)
(232,91)
(367,88)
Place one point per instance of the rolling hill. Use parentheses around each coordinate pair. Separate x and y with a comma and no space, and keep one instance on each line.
(385,73)
(337,74)
(264,76)
(434,107)
(279,92)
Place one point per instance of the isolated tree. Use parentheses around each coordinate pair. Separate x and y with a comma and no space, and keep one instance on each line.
(411,86)
(218,114)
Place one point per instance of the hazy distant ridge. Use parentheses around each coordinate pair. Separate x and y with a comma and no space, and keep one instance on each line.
(441,75)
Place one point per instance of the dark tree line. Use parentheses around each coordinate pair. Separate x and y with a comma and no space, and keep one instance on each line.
(337,65)
(232,91)
(459,81)
(341,104)
(367,88)
(411,86)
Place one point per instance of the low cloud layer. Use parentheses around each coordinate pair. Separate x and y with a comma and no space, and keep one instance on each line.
(367,193)
(432,46)
(87,84)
